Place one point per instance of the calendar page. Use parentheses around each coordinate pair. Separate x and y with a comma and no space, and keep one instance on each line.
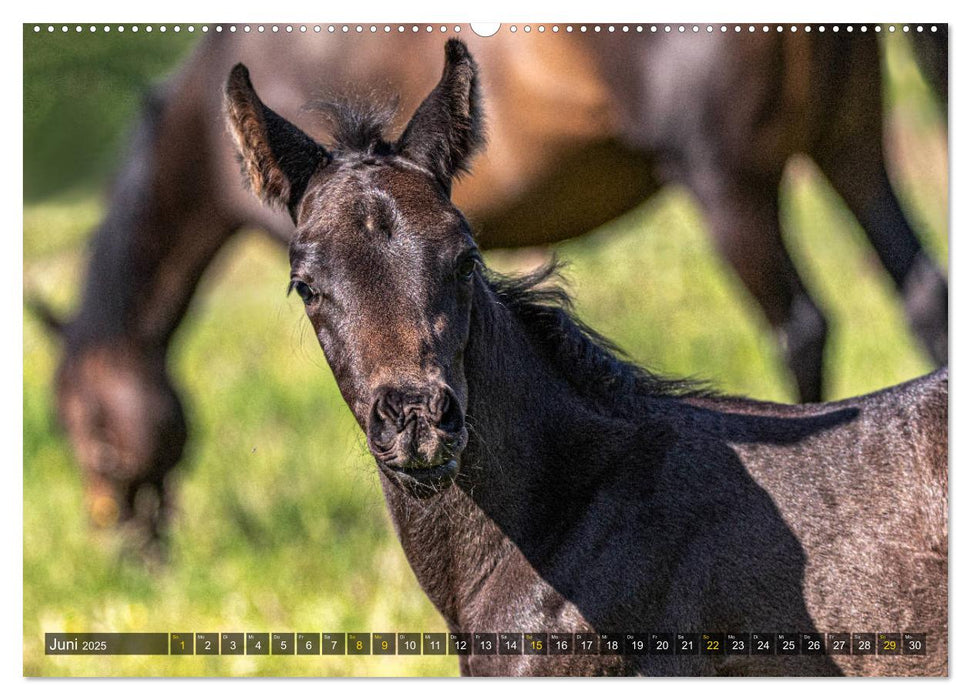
(514,349)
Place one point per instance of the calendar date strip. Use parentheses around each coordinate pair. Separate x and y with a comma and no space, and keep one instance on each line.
(485,643)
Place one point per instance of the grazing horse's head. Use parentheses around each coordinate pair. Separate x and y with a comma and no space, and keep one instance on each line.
(383,261)
(126,424)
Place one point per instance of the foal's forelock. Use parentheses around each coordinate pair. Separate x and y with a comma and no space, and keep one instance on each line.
(358,124)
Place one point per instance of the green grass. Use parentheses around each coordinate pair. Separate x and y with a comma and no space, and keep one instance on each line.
(83,93)
(281,525)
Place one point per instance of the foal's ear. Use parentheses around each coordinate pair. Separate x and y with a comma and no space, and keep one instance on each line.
(446,129)
(278,158)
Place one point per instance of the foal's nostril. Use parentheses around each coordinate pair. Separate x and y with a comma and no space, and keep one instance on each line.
(387,418)
(450,419)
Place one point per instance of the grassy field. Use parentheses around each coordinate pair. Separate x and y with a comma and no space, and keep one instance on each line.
(281,524)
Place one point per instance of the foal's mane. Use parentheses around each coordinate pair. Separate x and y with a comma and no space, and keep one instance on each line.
(592,364)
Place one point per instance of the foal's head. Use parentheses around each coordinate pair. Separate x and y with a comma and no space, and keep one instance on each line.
(383,261)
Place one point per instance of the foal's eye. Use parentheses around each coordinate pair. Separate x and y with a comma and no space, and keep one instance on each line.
(467,267)
(303,290)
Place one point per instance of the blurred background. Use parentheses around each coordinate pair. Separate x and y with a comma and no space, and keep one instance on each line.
(281,524)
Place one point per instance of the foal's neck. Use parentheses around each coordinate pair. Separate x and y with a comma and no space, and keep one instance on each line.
(529,470)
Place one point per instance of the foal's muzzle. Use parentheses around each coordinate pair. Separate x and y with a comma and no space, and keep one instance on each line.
(417,431)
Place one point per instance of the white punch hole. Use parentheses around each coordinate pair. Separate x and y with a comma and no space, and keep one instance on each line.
(485,28)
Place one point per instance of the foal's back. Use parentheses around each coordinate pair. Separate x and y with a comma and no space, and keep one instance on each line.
(862,484)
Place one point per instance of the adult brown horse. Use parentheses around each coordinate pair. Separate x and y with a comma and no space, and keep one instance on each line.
(538,483)
(583,127)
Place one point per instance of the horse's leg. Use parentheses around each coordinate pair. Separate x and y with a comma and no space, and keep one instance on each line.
(744,218)
(855,166)
(930,50)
